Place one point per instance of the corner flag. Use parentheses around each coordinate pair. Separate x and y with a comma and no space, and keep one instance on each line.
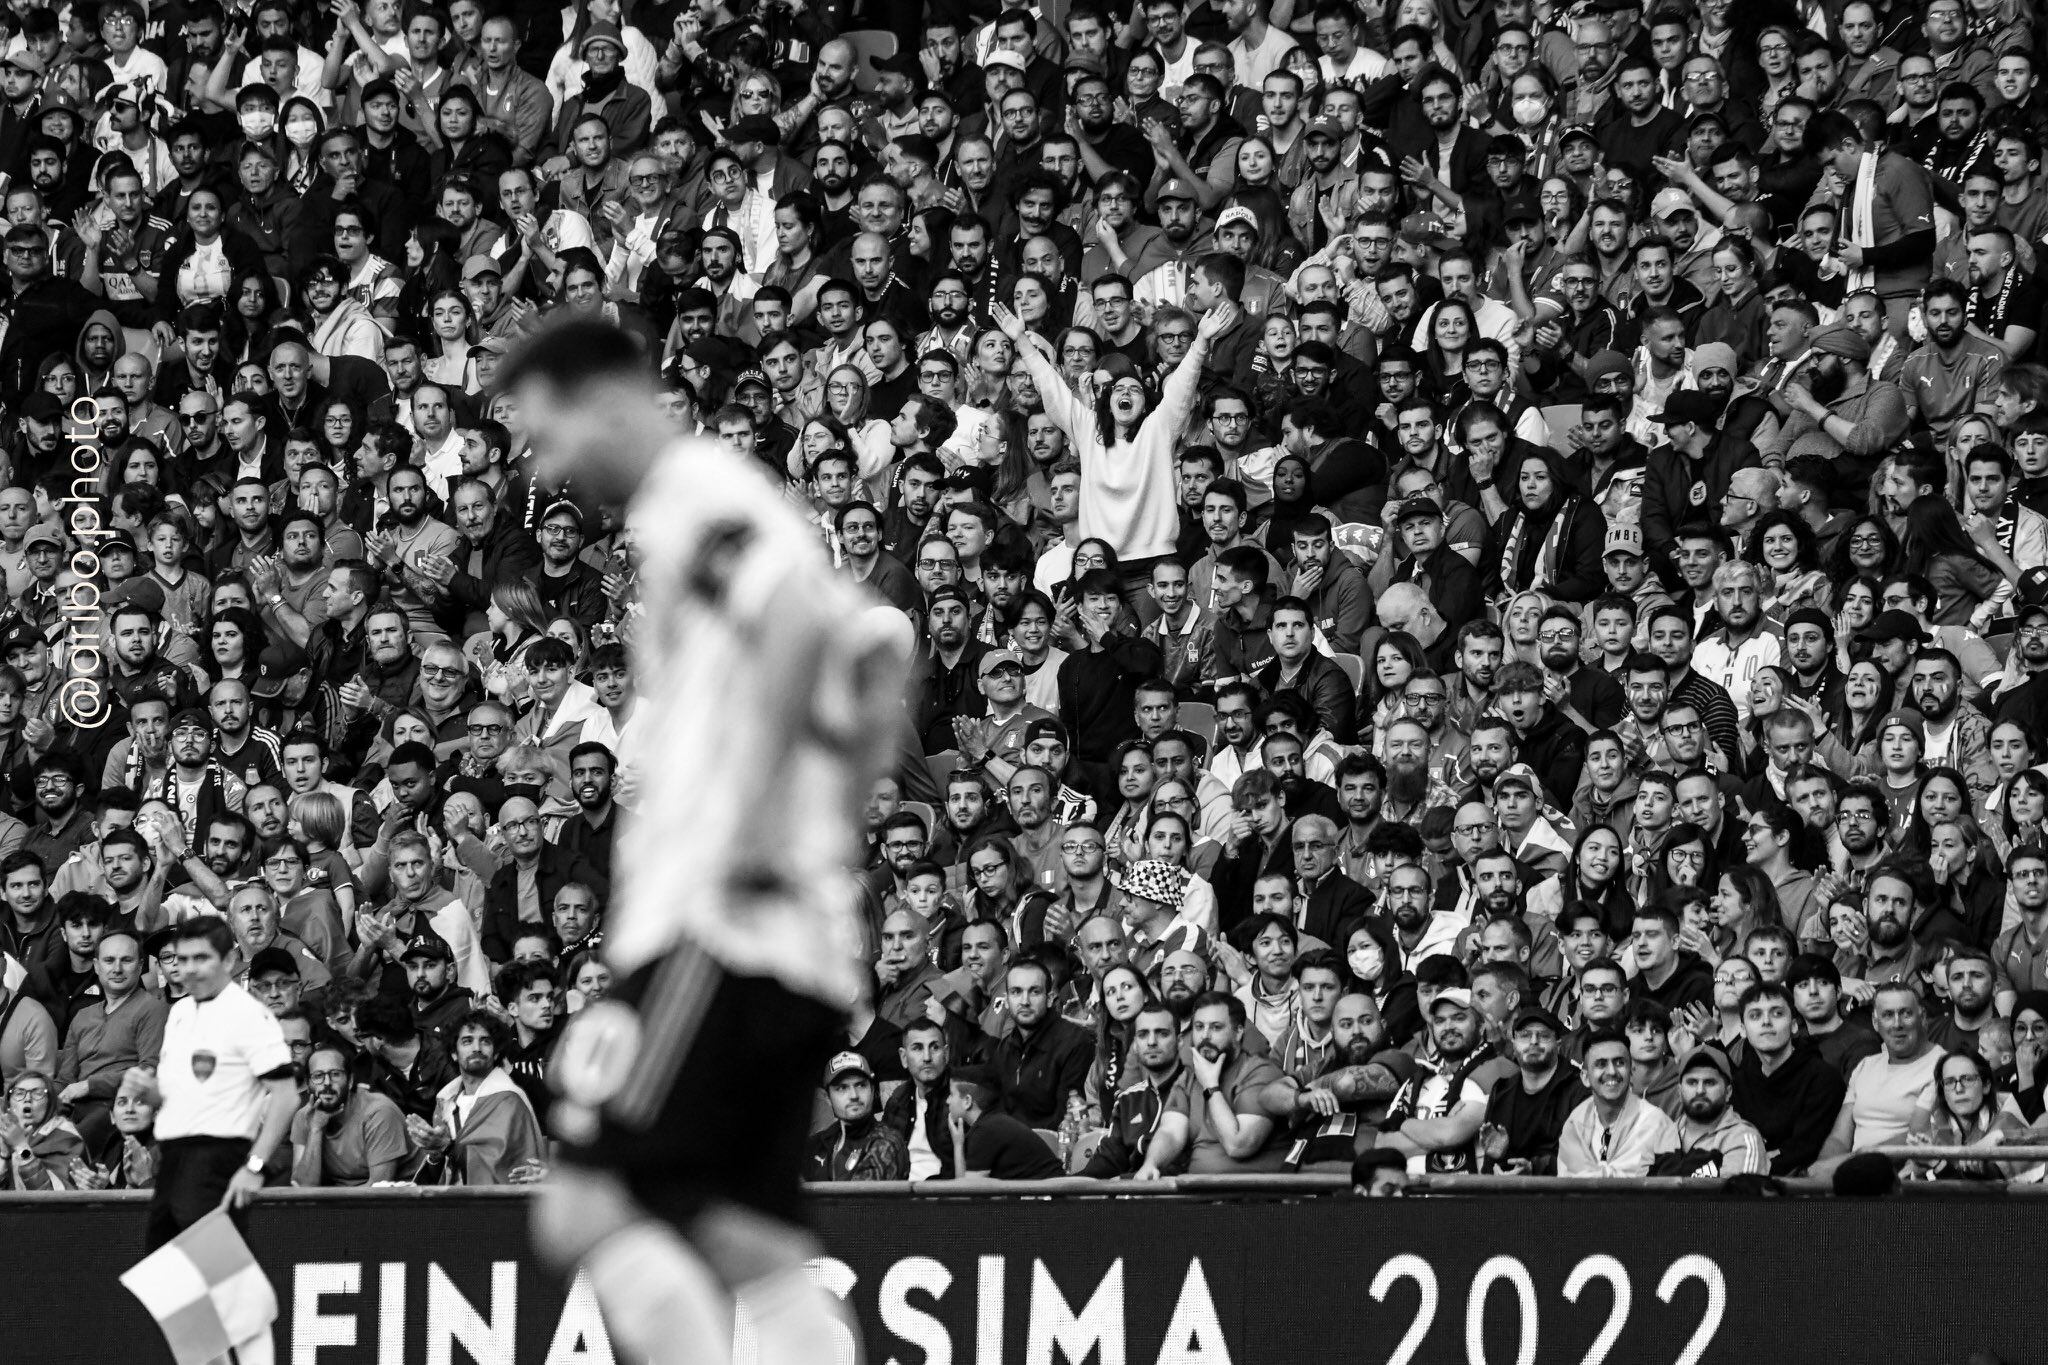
(207,1293)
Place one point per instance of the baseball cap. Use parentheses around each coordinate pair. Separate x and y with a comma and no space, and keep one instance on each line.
(1892,625)
(844,1062)
(1176,188)
(481,265)
(1536,1014)
(1579,131)
(382,88)
(192,718)
(273,959)
(1238,213)
(751,377)
(20,635)
(1046,728)
(1623,539)
(995,659)
(1690,405)
(1427,229)
(427,943)
(42,405)
(949,592)
(1517,775)
(1002,56)
(1456,995)
(1417,506)
(1704,1055)
(2031,611)
(1670,201)
(755,128)
(26,60)
(562,507)
(1324,127)
(42,535)
(898,63)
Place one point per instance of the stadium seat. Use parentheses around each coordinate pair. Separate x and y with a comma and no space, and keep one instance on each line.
(1354,669)
(1084,1150)
(942,764)
(922,812)
(1199,718)
(868,44)
(1050,1137)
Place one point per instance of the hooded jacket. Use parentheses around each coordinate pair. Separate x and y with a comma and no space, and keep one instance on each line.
(1793,1107)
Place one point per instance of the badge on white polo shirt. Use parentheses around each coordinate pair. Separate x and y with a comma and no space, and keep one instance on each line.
(202,1064)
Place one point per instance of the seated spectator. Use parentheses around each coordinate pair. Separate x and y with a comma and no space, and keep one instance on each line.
(1222,1112)
(1713,1140)
(1614,1131)
(483,1131)
(988,1142)
(858,1145)
(1435,1119)
(1889,1090)
(1526,1112)
(342,1135)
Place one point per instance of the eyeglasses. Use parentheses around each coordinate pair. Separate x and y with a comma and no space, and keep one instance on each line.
(1081,847)
(476,729)
(440,671)
(1683,727)
(1472,831)
(1311,845)
(936,564)
(513,826)
(1556,637)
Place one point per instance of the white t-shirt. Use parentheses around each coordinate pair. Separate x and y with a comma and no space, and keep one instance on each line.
(214,1059)
(1885,1095)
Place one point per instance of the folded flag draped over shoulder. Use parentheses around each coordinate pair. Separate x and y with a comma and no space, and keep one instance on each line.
(207,1293)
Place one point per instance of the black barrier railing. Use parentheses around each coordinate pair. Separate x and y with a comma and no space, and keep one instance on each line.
(1211,1271)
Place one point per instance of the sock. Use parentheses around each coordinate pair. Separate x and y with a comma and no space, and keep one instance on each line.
(789,1319)
(660,1299)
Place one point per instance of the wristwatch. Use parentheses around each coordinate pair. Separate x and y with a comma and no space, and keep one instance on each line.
(254,1165)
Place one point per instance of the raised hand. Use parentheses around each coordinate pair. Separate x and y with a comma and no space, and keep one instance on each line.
(1216,321)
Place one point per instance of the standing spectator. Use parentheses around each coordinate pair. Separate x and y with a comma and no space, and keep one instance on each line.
(123,1028)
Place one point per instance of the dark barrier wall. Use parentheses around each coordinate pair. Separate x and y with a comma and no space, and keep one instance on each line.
(1642,1280)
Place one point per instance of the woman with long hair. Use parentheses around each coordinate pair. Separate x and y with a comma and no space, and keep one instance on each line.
(1599,877)
(2023,811)
(1784,546)
(846,400)
(1122,991)
(1174,800)
(451,329)
(1132,770)
(1004,445)
(515,620)
(1451,329)
(1866,698)
(1396,658)
(432,269)
(1968,1111)
(1743,899)
(1000,888)
(338,430)
(58,375)
(239,646)
(1856,602)
(205,257)
(1551,538)
(1971,580)
(1685,859)
(1124,444)
(1520,620)
(303,123)
(254,303)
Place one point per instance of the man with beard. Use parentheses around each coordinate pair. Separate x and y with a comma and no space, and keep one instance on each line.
(140,674)
(193,785)
(2007,303)
(60,823)
(1179,215)
(1695,471)
(1435,1119)
(1886,1091)
(858,1145)
(1712,1139)
(1588,696)
(2023,697)
(484,1129)
(1297,666)
(1405,778)
(1109,147)
(344,1136)
(1350,1093)
(1419,931)
(1478,656)
(1957,736)
(1220,1114)
(1432,567)
(1731,657)
(437,1003)
(1973,998)
(1839,398)
(1526,1112)
(1142,1097)
(1573,322)
(1954,372)
(408,551)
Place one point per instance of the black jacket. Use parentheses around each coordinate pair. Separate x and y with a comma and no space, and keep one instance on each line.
(1794,1107)
(1556,749)
(501,927)
(509,553)
(1038,1072)
(1325,686)
(901,1111)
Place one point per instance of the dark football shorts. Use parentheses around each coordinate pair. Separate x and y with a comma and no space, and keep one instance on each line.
(718,1101)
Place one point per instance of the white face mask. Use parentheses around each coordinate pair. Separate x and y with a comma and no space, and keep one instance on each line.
(300,132)
(257,123)
(1367,961)
(1531,110)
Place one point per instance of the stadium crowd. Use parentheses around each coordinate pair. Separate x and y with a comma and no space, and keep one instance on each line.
(1479,572)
